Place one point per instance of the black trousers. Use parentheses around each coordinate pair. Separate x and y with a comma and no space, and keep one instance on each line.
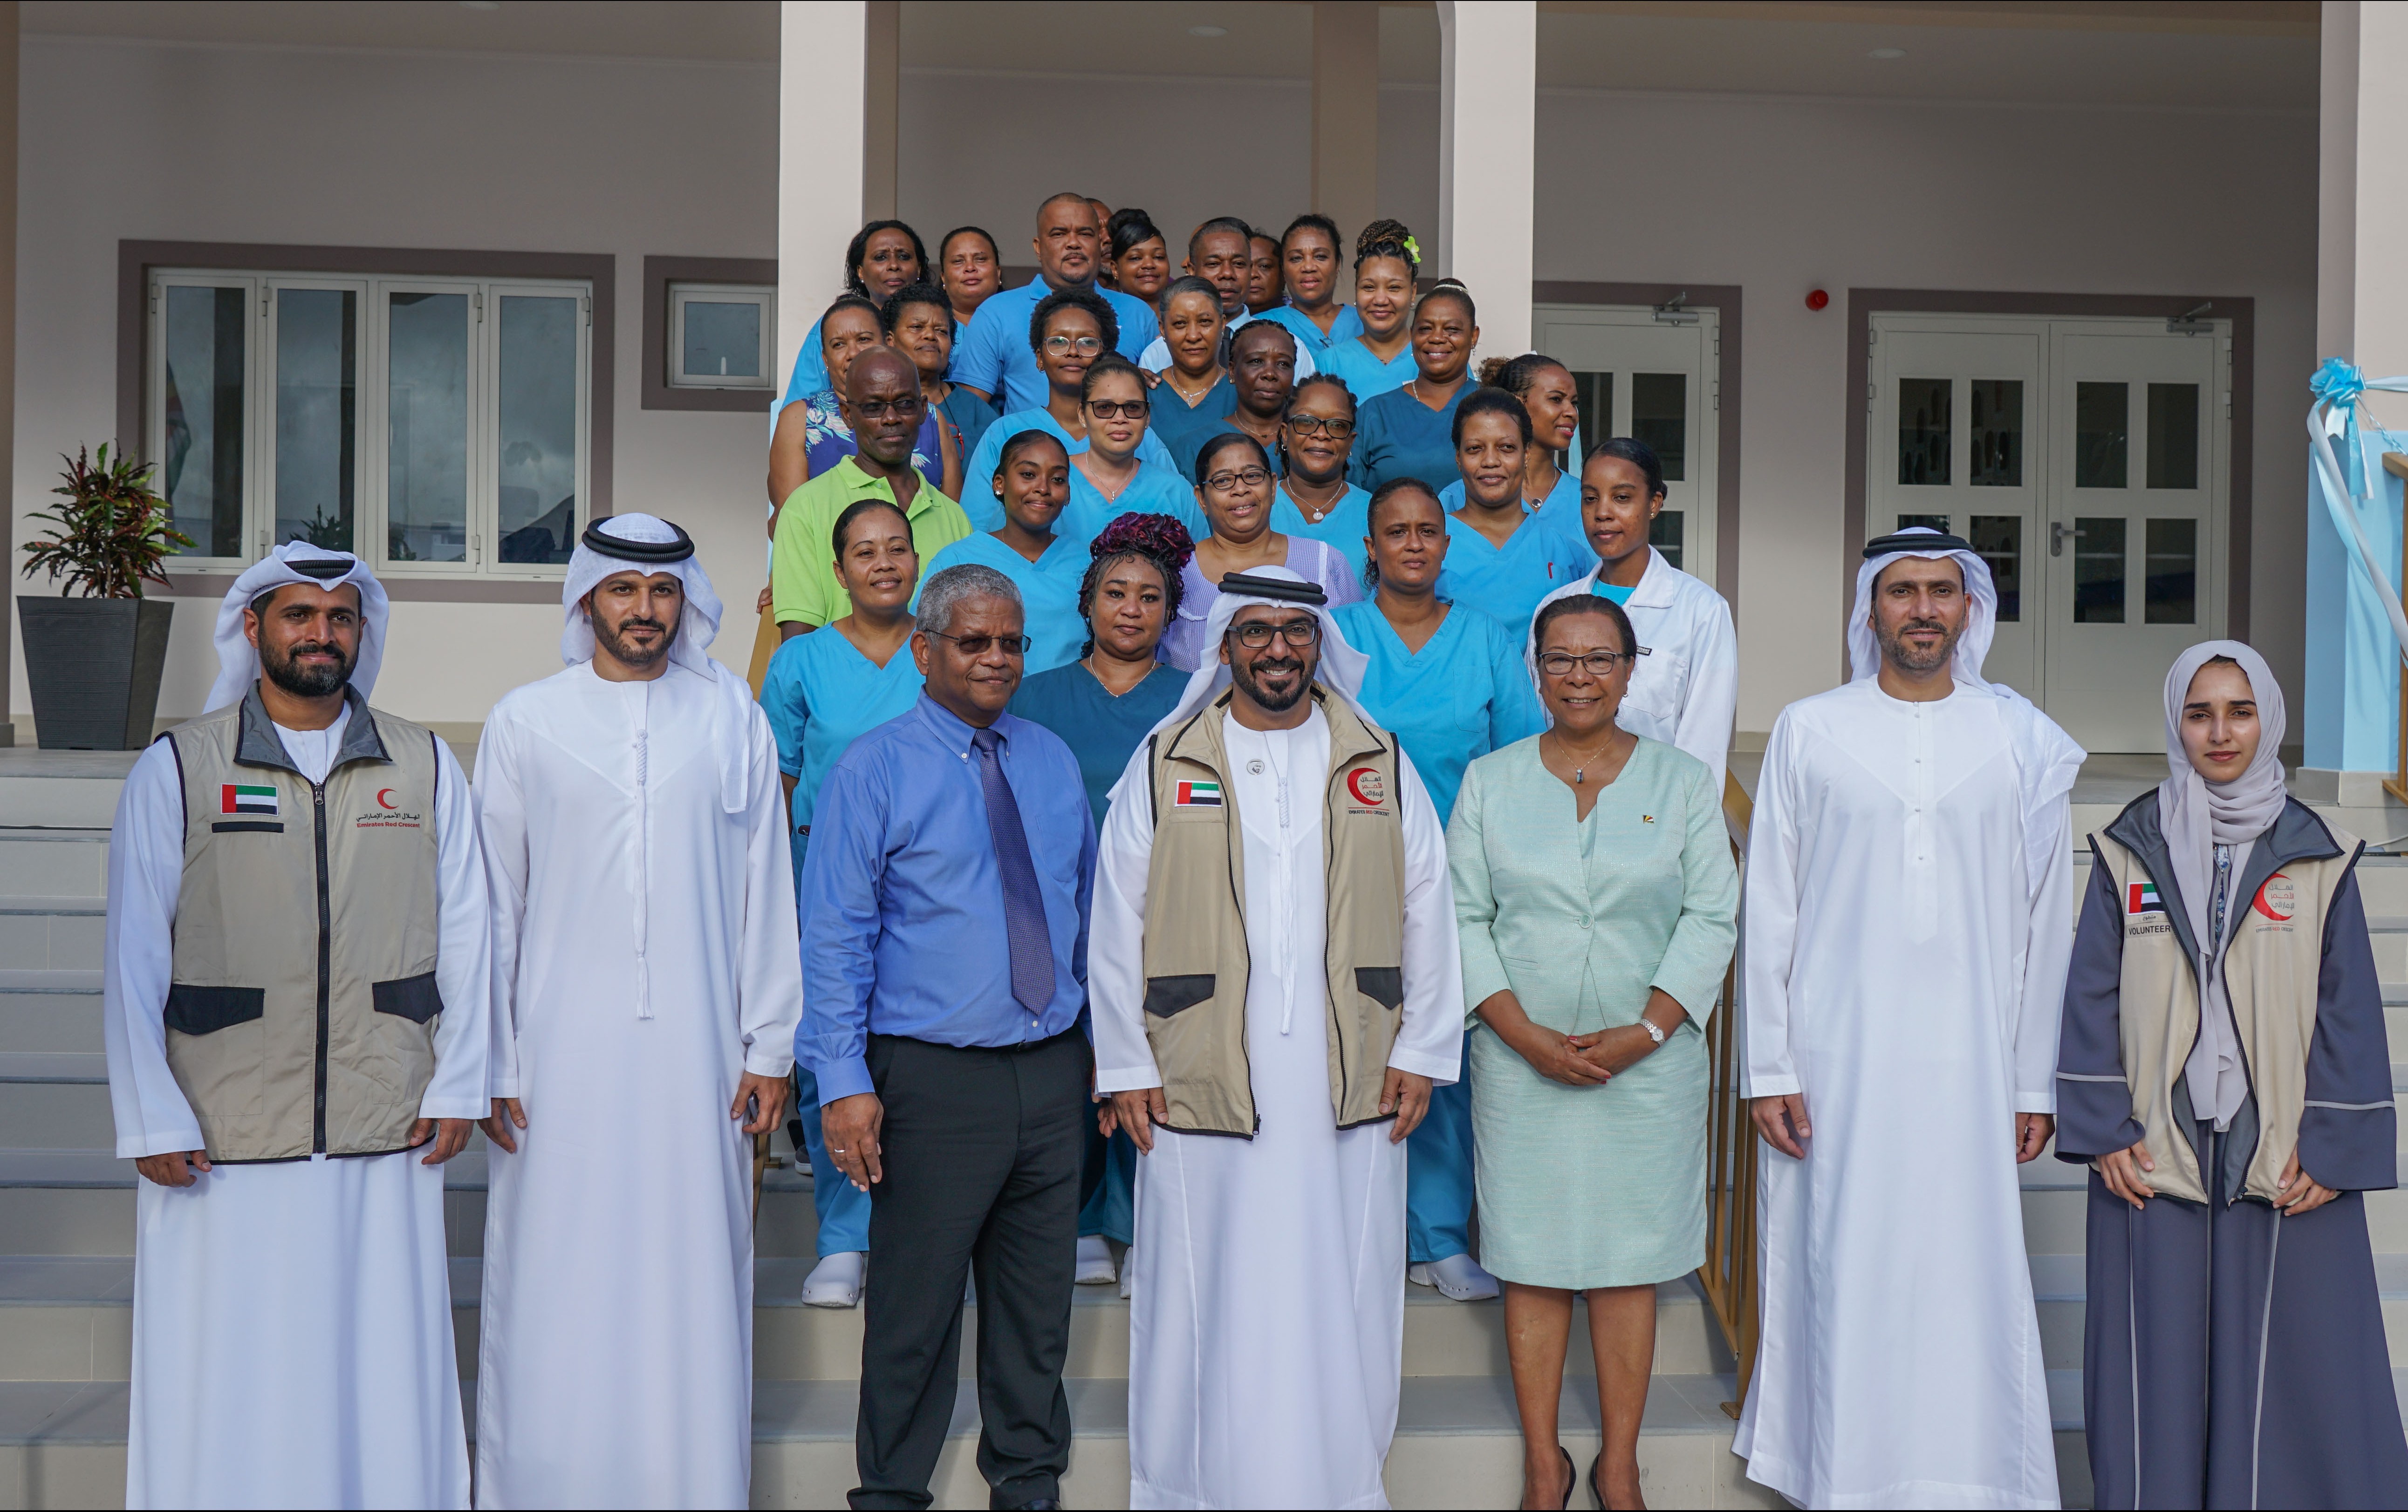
(982,1155)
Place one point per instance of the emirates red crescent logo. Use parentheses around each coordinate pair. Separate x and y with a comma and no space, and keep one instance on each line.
(1367,785)
(2278,899)
(384,798)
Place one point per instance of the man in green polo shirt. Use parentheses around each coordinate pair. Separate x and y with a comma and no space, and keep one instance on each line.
(883,403)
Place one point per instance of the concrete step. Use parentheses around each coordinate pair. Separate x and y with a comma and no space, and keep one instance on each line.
(53,863)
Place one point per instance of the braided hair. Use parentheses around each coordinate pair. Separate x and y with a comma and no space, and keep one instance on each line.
(1159,540)
(1387,238)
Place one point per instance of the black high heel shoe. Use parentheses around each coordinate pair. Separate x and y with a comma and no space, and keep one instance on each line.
(1571,1477)
(1594,1488)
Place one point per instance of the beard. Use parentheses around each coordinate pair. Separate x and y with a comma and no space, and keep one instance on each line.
(614,639)
(1247,676)
(1896,650)
(283,668)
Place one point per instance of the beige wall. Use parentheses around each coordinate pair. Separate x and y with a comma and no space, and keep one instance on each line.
(582,155)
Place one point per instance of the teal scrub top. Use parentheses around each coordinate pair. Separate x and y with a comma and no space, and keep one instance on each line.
(1103,732)
(820,693)
(971,415)
(1049,592)
(1459,697)
(1507,583)
(1560,508)
(1613,590)
(1308,336)
(1366,377)
(1396,435)
(1343,527)
(1154,490)
(978,478)
(1170,417)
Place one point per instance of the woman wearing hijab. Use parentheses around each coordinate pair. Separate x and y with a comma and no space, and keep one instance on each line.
(1101,706)
(2224,1070)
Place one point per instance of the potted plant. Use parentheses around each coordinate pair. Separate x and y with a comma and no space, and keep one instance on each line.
(94,661)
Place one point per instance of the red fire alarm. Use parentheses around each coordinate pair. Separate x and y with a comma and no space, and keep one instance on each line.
(1817,299)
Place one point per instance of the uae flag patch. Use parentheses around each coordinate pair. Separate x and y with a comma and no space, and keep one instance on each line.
(2142,898)
(242,798)
(1199,795)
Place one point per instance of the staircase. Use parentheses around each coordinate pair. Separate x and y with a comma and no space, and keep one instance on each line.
(66,1242)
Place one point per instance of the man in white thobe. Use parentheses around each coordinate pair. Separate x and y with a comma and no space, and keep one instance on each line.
(1275,985)
(647,985)
(295,999)
(1908,920)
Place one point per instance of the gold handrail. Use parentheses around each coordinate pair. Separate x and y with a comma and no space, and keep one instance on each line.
(1728,1274)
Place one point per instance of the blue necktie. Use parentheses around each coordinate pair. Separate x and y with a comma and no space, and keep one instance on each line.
(1024,906)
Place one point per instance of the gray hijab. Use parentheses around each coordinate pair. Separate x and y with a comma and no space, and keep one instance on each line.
(2197,816)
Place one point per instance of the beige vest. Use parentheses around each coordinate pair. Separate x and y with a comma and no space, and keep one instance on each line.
(2270,974)
(302,1016)
(1196,959)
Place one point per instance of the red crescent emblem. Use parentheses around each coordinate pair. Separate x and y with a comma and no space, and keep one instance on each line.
(2277,899)
(1365,784)
(384,798)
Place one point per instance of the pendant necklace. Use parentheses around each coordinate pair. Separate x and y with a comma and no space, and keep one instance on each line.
(1579,763)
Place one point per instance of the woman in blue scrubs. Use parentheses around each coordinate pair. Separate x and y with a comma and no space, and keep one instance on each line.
(1135,255)
(970,266)
(919,323)
(1033,481)
(1450,682)
(1311,258)
(1103,706)
(823,690)
(1069,331)
(1314,498)
(1545,388)
(1408,432)
(1194,395)
(1379,356)
(1110,479)
(1261,358)
(884,258)
(1503,558)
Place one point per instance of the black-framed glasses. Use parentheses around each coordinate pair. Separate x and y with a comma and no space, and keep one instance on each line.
(1337,430)
(1600,663)
(1083,346)
(903,409)
(981,644)
(1116,408)
(1243,478)
(1256,635)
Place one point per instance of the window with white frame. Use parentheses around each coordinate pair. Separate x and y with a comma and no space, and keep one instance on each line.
(438,427)
(722,336)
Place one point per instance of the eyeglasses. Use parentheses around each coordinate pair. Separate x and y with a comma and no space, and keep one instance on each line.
(981,644)
(1257,636)
(903,409)
(1600,663)
(1337,430)
(1063,346)
(1231,482)
(1116,408)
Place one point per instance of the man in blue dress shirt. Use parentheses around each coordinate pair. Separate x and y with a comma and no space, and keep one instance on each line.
(994,358)
(945,958)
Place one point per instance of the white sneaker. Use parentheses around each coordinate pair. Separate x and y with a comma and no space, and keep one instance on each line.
(836,1280)
(1457,1277)
(1095,1268)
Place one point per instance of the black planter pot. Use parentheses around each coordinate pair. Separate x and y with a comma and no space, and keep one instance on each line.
(94,664)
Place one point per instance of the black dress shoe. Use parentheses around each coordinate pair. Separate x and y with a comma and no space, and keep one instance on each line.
(1045,1504)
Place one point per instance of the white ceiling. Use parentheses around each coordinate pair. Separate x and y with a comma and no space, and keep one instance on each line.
(2063,52)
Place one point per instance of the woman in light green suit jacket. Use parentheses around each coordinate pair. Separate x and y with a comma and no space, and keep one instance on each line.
(1596,899)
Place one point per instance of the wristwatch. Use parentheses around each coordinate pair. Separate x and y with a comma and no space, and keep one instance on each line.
(1653,1033)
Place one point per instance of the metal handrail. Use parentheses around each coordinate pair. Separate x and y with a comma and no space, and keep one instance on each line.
(1728,1277)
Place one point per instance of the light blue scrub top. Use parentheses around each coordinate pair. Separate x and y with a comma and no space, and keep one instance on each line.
(1366,377)
(978,478)
(1613,590)
(1459,697)
(1343,527)
(1507,583)
(994,354)
(821,695)
(1560,508)
(1049,592)
(1155,490)
(1308,336)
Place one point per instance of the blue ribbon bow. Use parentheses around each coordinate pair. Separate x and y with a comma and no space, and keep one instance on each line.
(2339,386)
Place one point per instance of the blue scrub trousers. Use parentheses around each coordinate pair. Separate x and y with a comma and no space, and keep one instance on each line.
(1108,1177)
(1438,1174)
(843,1207)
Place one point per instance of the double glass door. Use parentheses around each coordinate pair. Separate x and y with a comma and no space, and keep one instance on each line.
(2086,462)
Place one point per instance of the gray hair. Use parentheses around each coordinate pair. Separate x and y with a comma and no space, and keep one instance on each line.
(946,590)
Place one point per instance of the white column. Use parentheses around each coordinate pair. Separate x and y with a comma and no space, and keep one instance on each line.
(1346,116)
(1487,179)
(822,75)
